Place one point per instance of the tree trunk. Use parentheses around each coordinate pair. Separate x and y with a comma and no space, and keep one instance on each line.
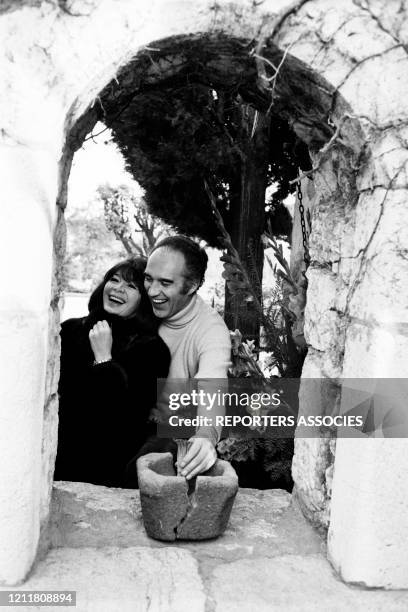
(247,219)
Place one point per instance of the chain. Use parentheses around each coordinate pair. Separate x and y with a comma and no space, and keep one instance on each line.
(306,256)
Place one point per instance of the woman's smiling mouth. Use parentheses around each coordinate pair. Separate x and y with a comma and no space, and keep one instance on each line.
(116,300)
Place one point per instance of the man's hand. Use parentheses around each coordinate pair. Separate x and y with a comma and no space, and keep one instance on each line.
(100,338)
(200,457)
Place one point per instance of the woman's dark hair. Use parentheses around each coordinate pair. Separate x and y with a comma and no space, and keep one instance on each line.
(132,271)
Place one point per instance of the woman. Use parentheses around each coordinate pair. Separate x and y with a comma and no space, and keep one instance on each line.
(110,362)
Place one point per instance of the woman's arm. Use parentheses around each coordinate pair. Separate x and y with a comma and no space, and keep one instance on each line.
(133,373)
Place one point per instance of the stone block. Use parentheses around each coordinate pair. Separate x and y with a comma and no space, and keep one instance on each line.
(292,583)
(131,579)
(210,503)
(163,495)
(174,508)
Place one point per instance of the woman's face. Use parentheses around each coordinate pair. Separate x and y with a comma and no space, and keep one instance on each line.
(120,297)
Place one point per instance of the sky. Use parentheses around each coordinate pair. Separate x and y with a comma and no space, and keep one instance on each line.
(96,163)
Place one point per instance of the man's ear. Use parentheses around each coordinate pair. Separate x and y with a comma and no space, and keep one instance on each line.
(192,287)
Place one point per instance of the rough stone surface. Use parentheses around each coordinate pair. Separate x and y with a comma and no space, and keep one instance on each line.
(293,583)
(356,505)
(269,558)
(311,489)
(342,87)
(263,523)
(163,495)
(313,459)
(210,504)
(130,579)
(171,511)
(87,515)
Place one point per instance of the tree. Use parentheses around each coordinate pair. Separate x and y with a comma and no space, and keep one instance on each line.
(247,216)
(91,248)
(126,215)
(176,138)
(172,139)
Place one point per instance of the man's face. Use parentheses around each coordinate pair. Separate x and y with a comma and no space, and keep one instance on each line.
(166,284)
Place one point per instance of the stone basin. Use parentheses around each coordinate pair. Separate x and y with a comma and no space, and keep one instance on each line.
(176,509)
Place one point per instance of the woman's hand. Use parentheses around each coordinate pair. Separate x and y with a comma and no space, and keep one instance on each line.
(100,338)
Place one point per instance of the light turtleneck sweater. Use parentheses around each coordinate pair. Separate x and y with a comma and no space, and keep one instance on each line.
(198,340)
(200,347)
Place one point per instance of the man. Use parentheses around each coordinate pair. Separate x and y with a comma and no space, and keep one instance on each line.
(196,335)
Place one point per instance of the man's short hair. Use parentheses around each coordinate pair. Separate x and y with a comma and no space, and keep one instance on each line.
(195,256)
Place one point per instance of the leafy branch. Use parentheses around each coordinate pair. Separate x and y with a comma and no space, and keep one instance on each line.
(276,322)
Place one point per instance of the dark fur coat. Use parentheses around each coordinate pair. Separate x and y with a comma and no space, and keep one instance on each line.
(104,408)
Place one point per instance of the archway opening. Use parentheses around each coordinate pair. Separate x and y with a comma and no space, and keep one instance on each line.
(283,92)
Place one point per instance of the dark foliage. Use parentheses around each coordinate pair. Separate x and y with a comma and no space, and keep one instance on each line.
(262,463)
(175,138)
(287,154)
(280,220)
(173,141)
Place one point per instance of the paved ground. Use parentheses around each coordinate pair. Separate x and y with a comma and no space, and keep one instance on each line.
(268,559)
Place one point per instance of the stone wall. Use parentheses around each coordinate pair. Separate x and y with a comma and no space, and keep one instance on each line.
(342,85)
(355,320)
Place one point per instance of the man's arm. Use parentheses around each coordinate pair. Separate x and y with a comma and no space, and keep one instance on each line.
(200,457)
(214,360)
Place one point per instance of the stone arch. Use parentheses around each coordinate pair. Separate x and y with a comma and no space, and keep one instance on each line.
(357,144)
(303,98)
